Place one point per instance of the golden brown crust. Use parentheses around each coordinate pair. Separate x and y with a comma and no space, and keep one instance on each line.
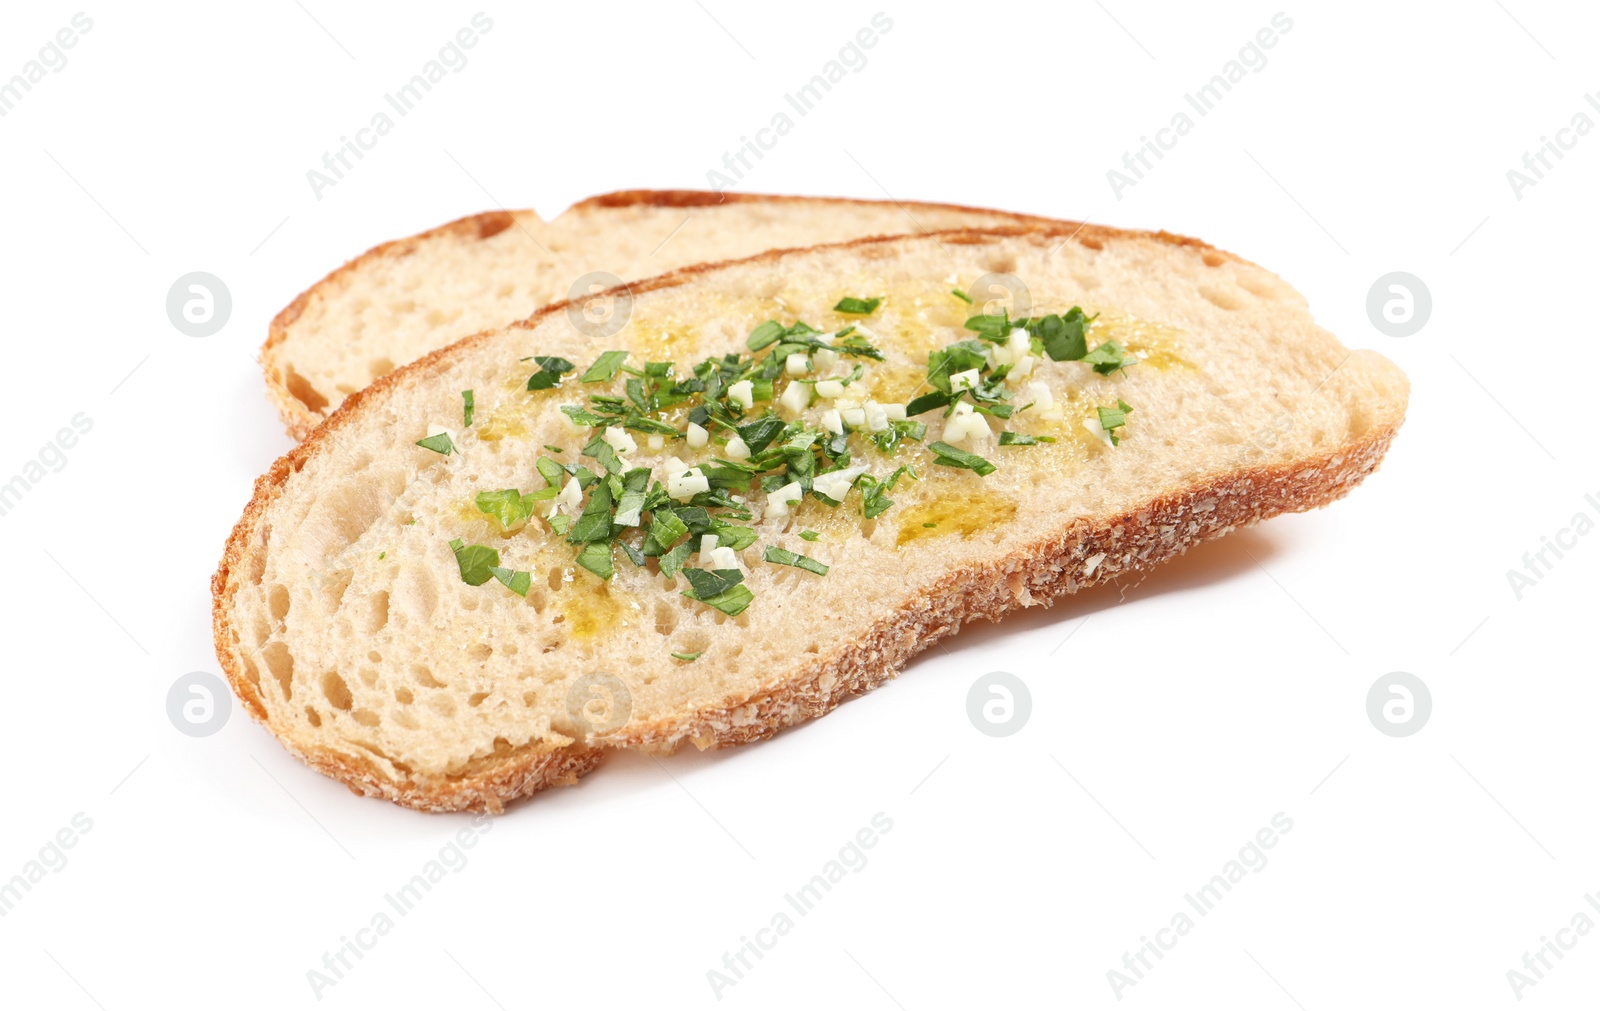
(1040,573)
(299,420)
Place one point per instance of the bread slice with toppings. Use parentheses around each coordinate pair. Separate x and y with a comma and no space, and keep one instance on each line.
(403,299)
(618,552)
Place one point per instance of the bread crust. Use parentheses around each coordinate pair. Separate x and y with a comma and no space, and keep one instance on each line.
(300,420)
(1039,573)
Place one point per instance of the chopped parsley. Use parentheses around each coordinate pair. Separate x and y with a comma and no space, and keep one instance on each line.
(440,444)
(688,657)
(722,589)
(466,408)
(1111,418)
(808,535)
(550,372)
(1022,439)
(475,562)
(605,367)
(963,296)
(783,556)
(946,455)
(858,306)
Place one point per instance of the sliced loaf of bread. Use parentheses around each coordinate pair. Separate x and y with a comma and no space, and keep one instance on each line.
(403,299)
(452,612)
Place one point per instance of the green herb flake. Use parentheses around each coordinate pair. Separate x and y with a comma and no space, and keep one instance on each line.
(550,372)
(1021,439)
(466,408)
(858,306)
(963,296)
(809,535)
(1112,418)
(946,455)
(1110,357)
(596,557)
(440,444)
(766,334)
(508,507)
(782,556)
(515,581)
(475,561)
(687,657)
(605,368)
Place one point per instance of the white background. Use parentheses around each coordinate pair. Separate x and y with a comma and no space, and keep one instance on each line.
(1173,724)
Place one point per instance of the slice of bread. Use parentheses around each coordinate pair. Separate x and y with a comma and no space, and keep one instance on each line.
(344,622)
(403,299)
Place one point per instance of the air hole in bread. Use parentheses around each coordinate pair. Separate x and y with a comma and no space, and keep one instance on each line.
(444,705)
(537,600)
(480,651)
(530,699)
(368,676)
(692,642)
(404,719)
(365,717)
(1212,258)
(374,656)
(1003,263)
(403,696)
(380,367)
(1091,242)
(301,389)
(336,691)
(476,699)
(280,664)
(551,643)
(251,674)
(424,677)
(313,717)
(278,602)
(1222,298)
(505,292)
(467,601)
(666,618)
(1086,282)
(376,617)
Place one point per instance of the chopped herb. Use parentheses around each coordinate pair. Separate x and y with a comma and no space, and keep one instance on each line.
(929,402)
(767,333)
(946,455)
(382,555)
(440,444)
(673,560)
(730,602)
(550,372)
(596,557)
(580,416)
(602,453)
(963,296)
(990,326)
(710,582)
(929,526)
(874,494)
(509,507)
(732,536)
(516,582)
(858,306)
(634,554)
(782,556)
(551,471)
(466,408)
(594,524)
(687,657)
(808,535)
(1110,357)
(1062,336)
(1019,439)
(475,562)
(560,522)
(605,367)
(554,449)
(1112,418)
